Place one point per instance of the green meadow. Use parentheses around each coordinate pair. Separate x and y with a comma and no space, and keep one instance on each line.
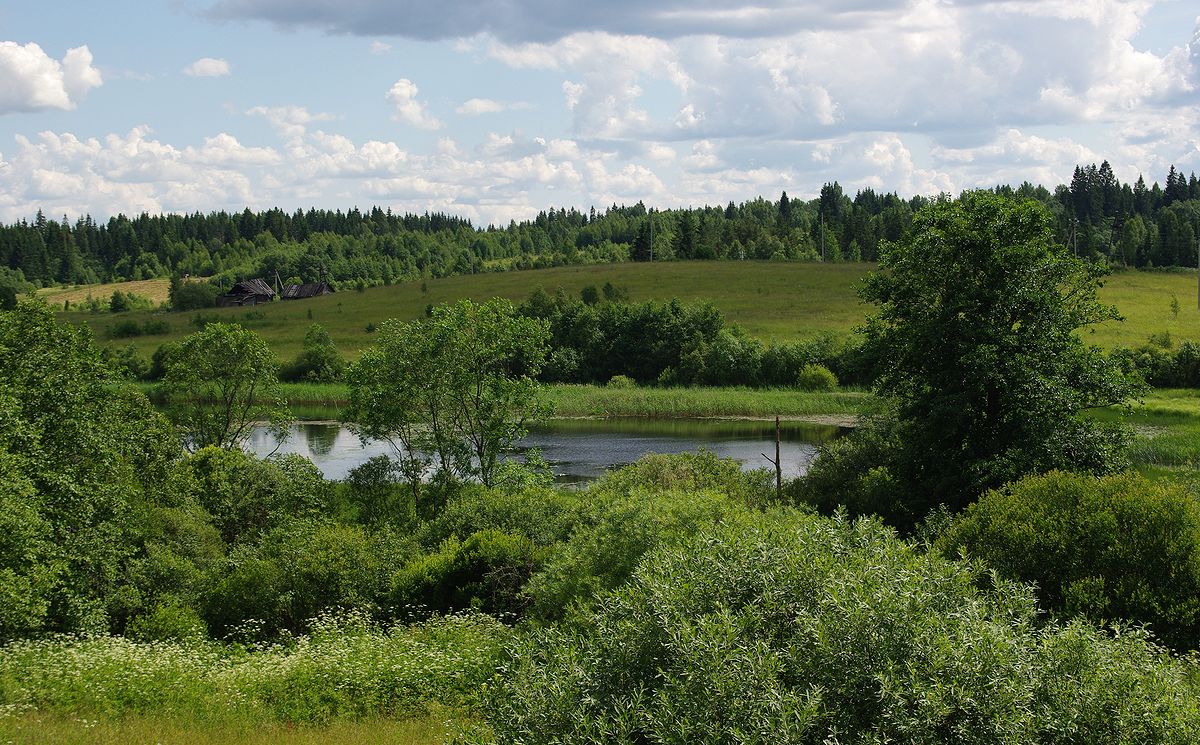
(771,300)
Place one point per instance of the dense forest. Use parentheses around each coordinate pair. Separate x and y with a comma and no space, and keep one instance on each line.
(1096,215)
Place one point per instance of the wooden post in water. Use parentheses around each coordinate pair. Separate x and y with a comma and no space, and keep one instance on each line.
(778,465)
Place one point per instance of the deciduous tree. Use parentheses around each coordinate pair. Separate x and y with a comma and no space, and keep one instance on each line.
(976,340)
(219,382)
(458,385)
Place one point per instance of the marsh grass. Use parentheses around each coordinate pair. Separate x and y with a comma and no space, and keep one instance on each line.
(1167,424)
(588,400)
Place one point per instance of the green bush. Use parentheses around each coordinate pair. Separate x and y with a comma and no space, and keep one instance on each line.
(168,620)
(786,628)
(857,473)
(299,571)
(375,490)
(193,295)
(622,381)
(124,329)
(318,362)
(543,516)
(121,302)
(246,495)
(1117,548)
(816,378)
(603,553)
(488,572)
(686,472)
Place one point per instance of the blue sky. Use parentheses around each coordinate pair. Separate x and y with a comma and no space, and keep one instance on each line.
(498,110)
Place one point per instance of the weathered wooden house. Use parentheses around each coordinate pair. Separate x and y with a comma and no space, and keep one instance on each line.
(299,292)
(247,292)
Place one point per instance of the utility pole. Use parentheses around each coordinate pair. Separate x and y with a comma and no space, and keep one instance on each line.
(650,217)
(822,238)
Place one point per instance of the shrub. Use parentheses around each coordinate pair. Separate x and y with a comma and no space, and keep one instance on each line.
(816,378)
(700,471)
(784,628)
(125,301)
(167,620)
(299,571)
(486,572)
(603,553)
(127,328)
(1112,548)
(193,295)
(124,329)
(375,489)
(543,516)
(247,496)
(622,381)
(318,362)
(857,473)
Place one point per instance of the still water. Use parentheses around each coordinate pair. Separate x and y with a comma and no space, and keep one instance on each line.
(583,449)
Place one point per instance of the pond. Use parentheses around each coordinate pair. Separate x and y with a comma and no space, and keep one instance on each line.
(583,449)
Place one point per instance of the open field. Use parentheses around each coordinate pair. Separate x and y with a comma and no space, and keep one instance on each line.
(772,301)
(154,289)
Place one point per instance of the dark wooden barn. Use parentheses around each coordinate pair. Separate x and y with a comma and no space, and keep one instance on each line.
(299,292)
(247,292)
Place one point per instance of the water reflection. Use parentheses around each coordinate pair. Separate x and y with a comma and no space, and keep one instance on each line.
(319,438)
(581,450)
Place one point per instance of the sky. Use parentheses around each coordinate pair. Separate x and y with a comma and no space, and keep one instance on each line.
(497,110)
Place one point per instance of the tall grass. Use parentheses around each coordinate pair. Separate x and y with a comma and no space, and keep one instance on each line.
(346,669)
(54,729)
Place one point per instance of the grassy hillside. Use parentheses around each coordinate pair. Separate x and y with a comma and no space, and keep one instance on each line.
(781,301)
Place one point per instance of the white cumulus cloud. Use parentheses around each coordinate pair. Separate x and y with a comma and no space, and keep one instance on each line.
(477,106)
(31,80)
(207,67)
(403,96)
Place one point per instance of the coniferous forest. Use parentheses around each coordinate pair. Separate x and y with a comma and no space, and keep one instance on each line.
(1096,215)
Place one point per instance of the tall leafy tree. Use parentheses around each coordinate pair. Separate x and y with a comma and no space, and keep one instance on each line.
(79,460)
(976,341)
(459,384)
(219,382)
